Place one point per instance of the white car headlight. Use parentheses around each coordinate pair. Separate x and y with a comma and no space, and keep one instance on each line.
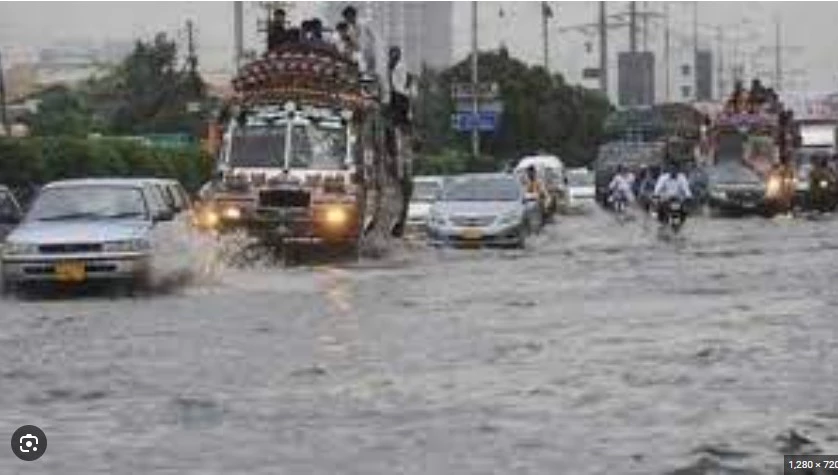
(510,217)
(718,194)
(19,248)
(129,245)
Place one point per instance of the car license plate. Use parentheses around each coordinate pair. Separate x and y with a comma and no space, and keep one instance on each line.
(70,272)
(471,233)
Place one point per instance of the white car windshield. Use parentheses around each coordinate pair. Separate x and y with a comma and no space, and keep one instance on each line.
(89,202)
(579,179)
(485,189)
(426,191)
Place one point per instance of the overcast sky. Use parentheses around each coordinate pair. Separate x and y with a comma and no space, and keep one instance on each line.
(809,25)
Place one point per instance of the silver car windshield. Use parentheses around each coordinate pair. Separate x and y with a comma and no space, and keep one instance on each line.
(483,190)
(89,202)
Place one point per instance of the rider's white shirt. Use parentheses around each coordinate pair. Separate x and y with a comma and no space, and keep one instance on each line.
(621,184)
(668,187)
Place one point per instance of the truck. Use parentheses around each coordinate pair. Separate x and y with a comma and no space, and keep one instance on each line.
(745,148)
(306,156)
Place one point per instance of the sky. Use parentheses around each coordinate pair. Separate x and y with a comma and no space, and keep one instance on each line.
(809,26)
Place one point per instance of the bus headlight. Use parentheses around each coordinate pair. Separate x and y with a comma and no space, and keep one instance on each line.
(233,213)
(336,217)
(208,219)
(772,188)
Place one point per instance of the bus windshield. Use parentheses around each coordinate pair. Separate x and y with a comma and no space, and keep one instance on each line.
(313,146)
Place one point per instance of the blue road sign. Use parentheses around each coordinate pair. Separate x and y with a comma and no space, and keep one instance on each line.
(465,121)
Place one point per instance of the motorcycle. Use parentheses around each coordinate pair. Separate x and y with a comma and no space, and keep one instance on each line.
(822,196)
(673,218)
(619,203)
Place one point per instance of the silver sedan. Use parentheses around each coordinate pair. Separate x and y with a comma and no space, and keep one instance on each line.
(490,209)
(83,230)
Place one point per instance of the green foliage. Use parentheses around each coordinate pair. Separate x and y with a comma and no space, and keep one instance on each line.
(62,112)
(147,93)
(150,93)
(25,162)
(542,113)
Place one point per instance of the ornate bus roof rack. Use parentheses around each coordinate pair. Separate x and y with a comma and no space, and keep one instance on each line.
(306,73)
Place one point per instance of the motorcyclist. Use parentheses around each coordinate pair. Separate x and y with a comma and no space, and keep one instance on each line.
(620,188)
(672,185)
(822,183)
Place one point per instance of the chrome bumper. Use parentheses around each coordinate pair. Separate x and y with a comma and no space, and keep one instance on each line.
(19,269)
(454,236)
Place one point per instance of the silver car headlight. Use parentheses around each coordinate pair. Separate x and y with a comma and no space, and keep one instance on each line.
(510,217)
(129,245)
(19,248)
(718,194)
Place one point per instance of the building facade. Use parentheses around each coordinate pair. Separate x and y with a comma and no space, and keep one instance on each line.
(422,29)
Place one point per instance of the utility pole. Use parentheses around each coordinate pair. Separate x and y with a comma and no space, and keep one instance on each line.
(720,63)
(545,16)
(778,60)
(633,27)
(4,123)
(695,29)
(603,49)
(475,133)
(645,26)
(238,33)
(192,59)
(666,53)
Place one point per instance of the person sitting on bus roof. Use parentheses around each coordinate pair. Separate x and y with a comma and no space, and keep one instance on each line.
(276,29)
(757,95)
(363,36)
(344,43)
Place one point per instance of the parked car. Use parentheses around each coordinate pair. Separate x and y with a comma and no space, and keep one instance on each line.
(90,230)
(10,212)
(581,190)
(426,190)
(488,209)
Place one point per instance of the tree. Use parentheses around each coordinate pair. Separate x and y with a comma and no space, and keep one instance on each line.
(62,111)
(542,113)
(149,92)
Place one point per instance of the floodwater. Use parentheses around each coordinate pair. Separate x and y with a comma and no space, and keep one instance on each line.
(597,350)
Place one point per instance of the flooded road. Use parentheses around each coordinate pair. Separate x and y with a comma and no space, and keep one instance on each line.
(598,350)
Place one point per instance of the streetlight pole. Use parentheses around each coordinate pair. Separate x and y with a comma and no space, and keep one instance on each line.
(475,133)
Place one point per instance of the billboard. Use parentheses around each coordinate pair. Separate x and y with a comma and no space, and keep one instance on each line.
(703,75)
(636,79)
